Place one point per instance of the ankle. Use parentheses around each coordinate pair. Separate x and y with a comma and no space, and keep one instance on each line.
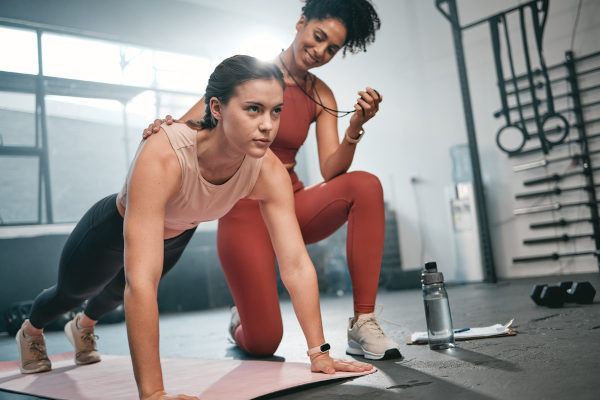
(83,321)
(31,330)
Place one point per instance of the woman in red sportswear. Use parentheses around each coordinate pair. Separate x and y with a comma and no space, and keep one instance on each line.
(245,251)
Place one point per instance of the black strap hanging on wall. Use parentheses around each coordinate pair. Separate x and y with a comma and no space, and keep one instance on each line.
(544,121)
(551,114)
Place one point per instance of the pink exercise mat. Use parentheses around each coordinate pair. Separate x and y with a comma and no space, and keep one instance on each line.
(112,378)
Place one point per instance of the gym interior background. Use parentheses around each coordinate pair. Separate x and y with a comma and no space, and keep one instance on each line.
(80,79)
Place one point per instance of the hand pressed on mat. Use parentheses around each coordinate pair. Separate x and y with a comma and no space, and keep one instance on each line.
(164,396)
(324,363)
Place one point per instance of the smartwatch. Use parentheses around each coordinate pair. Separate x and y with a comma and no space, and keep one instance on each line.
(324,348)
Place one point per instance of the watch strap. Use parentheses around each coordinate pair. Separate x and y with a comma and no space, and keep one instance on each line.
(324,348)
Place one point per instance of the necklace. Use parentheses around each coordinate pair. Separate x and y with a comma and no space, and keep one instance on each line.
(334,112)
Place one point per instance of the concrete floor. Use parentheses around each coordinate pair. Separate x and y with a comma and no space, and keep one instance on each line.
(555,355)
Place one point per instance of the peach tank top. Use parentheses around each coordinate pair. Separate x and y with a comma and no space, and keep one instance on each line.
(197,199)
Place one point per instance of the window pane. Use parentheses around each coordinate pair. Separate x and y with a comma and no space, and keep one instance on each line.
(17,113)
(19,51)
(18,190)
(175,104)
(80,58)
(181,72)
(87,153)
(100,61)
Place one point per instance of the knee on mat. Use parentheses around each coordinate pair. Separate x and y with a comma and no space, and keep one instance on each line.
(265,344)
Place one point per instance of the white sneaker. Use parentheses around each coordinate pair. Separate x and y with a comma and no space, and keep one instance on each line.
(234,322)
(365,338)
(83,341)
(32,353)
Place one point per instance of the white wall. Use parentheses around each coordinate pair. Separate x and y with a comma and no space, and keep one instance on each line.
(413,65)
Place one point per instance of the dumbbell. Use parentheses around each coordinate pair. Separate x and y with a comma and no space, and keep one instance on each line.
(564,292)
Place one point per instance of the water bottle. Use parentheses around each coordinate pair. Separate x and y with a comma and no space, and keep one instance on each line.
(437,308)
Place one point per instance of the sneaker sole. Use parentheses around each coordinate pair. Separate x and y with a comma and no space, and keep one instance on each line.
(69,334)
(355,349)
(43,368)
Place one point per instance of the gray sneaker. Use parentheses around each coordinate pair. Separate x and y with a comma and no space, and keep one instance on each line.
(83,341)
(32,353)
(234,322)
(365,338)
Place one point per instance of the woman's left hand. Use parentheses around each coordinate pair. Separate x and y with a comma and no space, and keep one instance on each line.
(324,363)
(366,106)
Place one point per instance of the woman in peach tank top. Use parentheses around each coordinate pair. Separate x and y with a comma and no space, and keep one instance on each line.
(124,244)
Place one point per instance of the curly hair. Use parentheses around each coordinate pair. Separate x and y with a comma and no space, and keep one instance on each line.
(358,16)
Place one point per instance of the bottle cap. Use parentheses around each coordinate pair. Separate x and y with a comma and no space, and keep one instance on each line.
(430,274)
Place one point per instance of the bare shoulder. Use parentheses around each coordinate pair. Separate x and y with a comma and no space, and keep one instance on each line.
(320,85)
(157,165)
(158,151)
(273,178)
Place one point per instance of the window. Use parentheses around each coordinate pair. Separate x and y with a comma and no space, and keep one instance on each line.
(98,97)
(19,50)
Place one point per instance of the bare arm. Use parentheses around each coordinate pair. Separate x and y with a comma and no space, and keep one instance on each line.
(155,178)
(334,157)
(273,189)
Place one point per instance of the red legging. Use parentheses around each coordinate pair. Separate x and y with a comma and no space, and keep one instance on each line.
(248,259)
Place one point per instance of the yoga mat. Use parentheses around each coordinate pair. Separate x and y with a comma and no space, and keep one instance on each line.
(112,378)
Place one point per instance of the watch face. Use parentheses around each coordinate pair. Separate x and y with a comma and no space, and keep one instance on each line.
(325,347)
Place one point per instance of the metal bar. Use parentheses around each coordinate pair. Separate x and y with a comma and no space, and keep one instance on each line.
(45,157)
(549,207)
(587,162)
(20,151)
(556,177)
(481,21)
(545,161)
(553,256)
(560,222)
(481,208)
(556,191)
(562,238)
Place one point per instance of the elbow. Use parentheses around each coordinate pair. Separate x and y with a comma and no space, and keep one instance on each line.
(140,289)
(328,173)
(327,176)
(297,276)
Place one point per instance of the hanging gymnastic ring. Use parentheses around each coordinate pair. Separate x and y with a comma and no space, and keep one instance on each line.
(517,149)
(565,129)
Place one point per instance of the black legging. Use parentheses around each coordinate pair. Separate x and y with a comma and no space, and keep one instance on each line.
(92,266)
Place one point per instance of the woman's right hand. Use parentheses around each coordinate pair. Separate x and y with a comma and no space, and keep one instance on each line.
(164,396)
(155,127)
(324,363)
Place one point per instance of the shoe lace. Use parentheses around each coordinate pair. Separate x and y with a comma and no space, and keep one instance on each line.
(89,338)
(39,349)
(372,325)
